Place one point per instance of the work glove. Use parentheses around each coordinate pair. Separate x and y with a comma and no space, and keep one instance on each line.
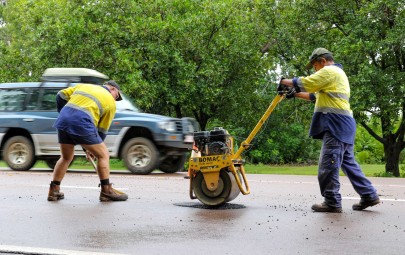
(281,88)
(290,93)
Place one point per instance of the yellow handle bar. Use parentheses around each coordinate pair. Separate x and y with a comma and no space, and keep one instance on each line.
(245,144)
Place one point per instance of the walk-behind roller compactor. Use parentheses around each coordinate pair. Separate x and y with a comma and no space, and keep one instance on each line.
(216,171)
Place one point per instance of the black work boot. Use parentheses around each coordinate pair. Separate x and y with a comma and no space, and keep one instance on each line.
(54,193)
(363,204)
(326,208)
(107,193)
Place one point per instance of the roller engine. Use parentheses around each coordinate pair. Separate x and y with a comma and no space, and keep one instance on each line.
(214,142)
(212,182)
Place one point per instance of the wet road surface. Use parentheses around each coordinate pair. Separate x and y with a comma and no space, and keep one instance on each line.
(160,218)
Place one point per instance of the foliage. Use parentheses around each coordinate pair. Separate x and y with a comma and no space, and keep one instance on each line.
(174,57)
(219,61)
(367,150)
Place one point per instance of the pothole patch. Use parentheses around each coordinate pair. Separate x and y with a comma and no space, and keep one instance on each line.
(226,206)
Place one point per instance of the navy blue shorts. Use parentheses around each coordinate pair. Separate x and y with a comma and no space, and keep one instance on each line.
(67,138)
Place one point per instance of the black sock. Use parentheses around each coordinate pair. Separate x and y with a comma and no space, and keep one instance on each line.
(105,182)
(55,183)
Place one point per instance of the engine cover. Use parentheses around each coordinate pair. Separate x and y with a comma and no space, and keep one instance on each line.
(214,142)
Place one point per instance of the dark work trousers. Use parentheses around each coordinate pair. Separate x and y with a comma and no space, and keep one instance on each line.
(336,155)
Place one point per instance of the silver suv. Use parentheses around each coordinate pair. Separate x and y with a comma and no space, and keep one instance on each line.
(143,141)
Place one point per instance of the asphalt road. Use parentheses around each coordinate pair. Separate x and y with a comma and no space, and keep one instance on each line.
(160,218)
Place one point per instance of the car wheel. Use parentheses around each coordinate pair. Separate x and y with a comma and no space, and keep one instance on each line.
(140,155)
(19,153)
(51,162)
(174,163)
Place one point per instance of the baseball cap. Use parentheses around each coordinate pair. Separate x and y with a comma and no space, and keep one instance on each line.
(315,54)
(114,84)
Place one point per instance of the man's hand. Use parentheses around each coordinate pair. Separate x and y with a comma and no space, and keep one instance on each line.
(281,88)
(290,93)
(90,156)
(284,89)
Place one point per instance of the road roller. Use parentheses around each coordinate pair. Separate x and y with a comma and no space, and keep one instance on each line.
(216,170)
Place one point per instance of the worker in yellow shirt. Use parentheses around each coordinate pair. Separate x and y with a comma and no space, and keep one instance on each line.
(333,123)
(85,115)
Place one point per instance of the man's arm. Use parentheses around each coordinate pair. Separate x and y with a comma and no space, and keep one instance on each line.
(296,91)
(63,97)
(60,102)
(306,96)
(287,82)
(105,122)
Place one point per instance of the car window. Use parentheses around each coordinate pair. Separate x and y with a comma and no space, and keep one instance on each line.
(43,100)
(126,104)
(12,99)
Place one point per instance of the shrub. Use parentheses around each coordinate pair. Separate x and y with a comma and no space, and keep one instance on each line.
(363,157)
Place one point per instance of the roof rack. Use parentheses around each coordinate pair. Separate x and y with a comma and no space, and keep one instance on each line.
(69,75)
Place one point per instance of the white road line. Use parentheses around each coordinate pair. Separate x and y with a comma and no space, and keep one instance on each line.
(306,182)
(79,187)
(382,199)
(38,250)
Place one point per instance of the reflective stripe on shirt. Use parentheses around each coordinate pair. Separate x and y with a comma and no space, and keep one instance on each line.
(333,110)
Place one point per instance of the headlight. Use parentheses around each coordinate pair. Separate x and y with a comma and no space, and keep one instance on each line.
(168,126)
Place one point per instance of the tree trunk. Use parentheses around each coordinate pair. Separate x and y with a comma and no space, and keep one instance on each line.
(393,145)
(177,108)
(202,118)
(392,152)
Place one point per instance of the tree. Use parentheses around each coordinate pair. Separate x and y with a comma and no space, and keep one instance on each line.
(219,61)
(180,58)
(379,72)
(204,59)
(199,58)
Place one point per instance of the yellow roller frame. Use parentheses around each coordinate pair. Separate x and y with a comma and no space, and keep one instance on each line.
(210,166)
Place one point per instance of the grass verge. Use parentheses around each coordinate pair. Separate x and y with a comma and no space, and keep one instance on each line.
(369,170)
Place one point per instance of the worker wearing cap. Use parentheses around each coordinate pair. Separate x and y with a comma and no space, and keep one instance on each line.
(333,122)
(86,112)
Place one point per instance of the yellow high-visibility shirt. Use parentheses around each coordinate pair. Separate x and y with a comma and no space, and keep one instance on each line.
(88,107)
(332,111)
(332,87)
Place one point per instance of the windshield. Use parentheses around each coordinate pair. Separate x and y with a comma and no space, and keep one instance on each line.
(126,104)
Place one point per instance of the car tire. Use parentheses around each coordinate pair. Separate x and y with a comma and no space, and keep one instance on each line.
(51,162)
(140,155)
(19,153)
(173,163)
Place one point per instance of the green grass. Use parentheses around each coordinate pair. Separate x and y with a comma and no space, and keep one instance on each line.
(78,164)
(369,170)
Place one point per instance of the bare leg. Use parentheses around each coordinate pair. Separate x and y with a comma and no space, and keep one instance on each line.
(100,151)
(107,193)
(67,151)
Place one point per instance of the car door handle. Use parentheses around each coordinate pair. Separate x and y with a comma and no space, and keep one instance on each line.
(28,120)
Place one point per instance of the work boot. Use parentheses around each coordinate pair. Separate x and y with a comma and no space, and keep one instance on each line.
(363,204)
(107,193)
(326,208)
(54,193)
